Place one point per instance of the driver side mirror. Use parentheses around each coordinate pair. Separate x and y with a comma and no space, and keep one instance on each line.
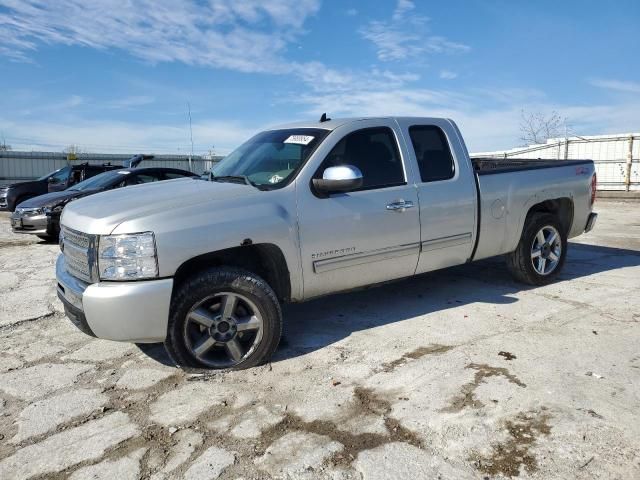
(343,178)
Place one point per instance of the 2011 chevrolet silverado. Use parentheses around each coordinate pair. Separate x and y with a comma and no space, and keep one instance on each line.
(300,211)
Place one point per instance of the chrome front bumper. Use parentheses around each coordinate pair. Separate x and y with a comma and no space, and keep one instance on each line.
(121,311)
(35,224)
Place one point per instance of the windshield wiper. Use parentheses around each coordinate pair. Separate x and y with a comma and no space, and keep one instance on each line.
(225,178)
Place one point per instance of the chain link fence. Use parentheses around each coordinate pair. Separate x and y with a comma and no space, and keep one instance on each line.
(16,165)
(616,157)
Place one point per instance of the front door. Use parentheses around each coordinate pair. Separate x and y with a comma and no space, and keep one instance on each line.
(60,180)
(366,236)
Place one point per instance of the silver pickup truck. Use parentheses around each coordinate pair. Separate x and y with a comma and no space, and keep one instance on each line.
(304,210)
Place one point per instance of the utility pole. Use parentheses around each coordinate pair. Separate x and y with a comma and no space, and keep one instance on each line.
(191,136)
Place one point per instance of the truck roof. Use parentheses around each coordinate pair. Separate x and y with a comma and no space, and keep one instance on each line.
(334,123)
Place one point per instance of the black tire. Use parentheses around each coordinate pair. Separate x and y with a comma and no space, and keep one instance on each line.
(520,262)
(48,238)
(251,290)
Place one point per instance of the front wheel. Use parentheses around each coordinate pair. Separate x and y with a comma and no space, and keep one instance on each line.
(223,318)
(541,252)
(48,238)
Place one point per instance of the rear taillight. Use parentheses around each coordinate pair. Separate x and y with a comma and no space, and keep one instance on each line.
(594,186)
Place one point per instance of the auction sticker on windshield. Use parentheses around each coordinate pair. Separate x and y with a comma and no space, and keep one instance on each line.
(300,139)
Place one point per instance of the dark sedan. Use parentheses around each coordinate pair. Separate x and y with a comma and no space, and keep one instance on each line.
(41,215)
(12,194)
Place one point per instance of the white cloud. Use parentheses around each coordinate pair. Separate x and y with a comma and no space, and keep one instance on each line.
(321,78)
(247,36)
(352,12)
(448,75)
(406,35)
(489,119)
(616,85)
(129,137)
(130,102)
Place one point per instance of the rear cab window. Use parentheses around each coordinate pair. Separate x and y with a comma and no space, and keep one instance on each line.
(374,151)
(433,154)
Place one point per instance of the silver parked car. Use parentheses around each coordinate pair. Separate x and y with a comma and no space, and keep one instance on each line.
(300,211)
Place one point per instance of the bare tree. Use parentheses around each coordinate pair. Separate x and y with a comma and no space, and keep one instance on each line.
(72,149)
(537,127)
(3,146)
(72,152)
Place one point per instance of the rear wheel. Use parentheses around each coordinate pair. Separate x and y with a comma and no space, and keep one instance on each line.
(541,252)
(223,318)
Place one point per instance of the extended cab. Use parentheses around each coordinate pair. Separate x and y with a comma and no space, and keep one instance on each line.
(300,211)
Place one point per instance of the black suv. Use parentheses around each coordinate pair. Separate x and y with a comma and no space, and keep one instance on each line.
(15,193)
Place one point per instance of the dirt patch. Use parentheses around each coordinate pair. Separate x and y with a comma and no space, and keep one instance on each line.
(367,403)
(419,352)
(507,355)
(508,457)
(16,243)
(467,397)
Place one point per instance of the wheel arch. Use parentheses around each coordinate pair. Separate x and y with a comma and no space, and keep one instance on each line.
(264,259)
(561,208)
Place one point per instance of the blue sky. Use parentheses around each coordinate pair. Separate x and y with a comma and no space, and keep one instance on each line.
(116,76)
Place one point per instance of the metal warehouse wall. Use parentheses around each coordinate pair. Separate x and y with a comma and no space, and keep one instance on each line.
(28,165)
(616,157)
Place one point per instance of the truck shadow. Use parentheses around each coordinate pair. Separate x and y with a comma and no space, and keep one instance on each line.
(318,323)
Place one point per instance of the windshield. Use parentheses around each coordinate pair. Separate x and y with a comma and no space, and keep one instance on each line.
(60,174)
(102,180)
(271,158)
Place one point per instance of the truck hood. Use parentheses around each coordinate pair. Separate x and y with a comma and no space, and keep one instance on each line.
(103,212)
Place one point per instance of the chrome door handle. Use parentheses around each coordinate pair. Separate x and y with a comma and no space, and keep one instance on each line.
(402,205)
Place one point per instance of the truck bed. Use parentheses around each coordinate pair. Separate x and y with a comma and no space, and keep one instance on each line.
(505,199)
(489,166)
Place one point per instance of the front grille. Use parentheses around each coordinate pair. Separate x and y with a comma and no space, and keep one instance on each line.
(79,254)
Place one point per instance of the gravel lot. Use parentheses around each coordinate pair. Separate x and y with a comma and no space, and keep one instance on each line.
(455,374)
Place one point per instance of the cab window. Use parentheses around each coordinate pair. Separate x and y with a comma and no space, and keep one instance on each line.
(374,152)
(432,153)
(140,178)
(174,175)
(60,176)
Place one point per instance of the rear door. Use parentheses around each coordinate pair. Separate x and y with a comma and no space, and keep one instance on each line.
(447,192)
(359,238)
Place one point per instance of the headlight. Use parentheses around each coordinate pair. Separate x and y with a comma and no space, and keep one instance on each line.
(56,209)
(30,212)
(127,257)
